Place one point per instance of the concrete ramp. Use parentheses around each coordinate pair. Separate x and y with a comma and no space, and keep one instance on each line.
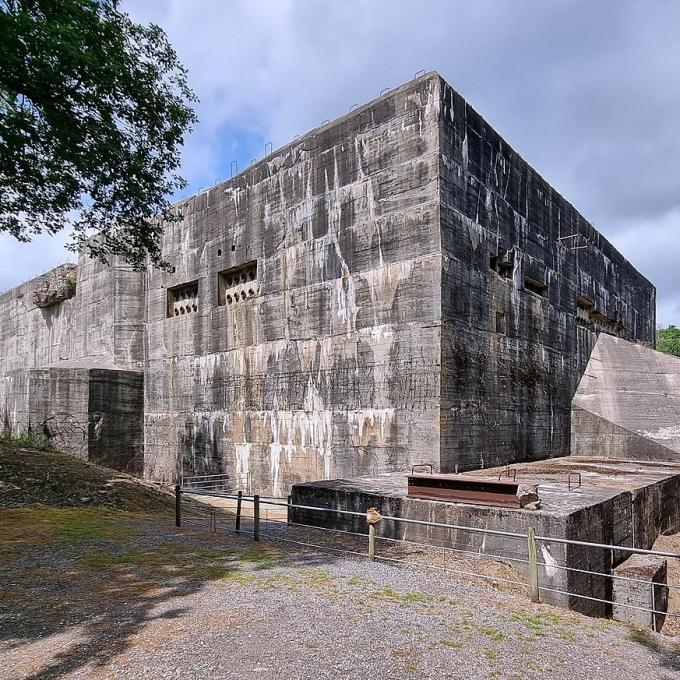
(627,404)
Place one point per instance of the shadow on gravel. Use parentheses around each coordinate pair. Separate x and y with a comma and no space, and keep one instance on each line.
(670,660)
(96,579)
(667,653)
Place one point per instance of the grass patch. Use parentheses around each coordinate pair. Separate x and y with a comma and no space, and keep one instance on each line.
(38,524)
(645,638)
(467,622)
(567,635)
(356,581)
(74,525)
(491,654)
(389,595)
(493,634)
(26,439)
(548,622)
(262,557)
(46,477)
(384,594)
(412,598)
(453,644)
(318,578)
(534,623)
(183,560)
(168,561)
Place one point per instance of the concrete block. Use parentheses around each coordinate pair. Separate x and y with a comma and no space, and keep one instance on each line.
(617,503)
(643,588)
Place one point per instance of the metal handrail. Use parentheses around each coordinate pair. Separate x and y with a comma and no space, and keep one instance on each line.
(457,527)
(532,584)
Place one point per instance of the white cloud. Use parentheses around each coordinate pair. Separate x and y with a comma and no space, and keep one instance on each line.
(586,91)
(653,246)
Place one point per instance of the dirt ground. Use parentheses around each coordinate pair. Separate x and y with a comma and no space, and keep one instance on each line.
(51,478)
(99,593)
(97,582)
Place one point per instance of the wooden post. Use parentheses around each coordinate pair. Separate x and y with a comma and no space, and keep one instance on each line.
(290,502)
(238,512)
(256,517)
(373,516)
(533,566)
(178,505)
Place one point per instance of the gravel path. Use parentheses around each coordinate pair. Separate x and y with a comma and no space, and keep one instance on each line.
(139,599)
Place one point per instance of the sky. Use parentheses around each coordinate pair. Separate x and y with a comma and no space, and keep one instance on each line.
(587,92)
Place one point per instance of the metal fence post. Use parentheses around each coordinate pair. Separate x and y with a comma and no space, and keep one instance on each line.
(533,566)
(237,528)
(256,517)
(178,505)
(290,502)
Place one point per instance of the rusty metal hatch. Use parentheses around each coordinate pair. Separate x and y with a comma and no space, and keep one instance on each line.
(464,489)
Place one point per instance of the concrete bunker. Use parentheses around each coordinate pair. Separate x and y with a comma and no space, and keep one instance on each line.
(392,287)
(367,296)
(618,503)
(621,490)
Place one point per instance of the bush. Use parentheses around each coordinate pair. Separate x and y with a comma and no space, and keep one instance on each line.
(668,340)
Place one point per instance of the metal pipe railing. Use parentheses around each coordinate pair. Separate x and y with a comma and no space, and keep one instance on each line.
(533,584)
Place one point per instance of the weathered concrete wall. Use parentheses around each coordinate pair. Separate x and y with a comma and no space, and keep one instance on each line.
(640,586)
(94,413)
(51,340)
(387,493)
(520,307)
(116,419)
(58,400)
(617,503)
(379,331)
(627,404)
(389,289)
(331,365)
(30,337)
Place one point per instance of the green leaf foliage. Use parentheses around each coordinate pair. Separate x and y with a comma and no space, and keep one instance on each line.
(668,340)
(93,111)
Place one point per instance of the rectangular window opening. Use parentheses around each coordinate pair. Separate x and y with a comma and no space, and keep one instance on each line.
(500,323)
(182,299)
(237,284)
(535,286)
(502,263)
(588,316)
(582,302)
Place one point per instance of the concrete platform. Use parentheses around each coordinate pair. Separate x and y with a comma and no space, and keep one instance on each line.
(618,502)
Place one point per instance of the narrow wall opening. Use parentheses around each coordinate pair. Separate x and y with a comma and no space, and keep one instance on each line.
(535,286)
(182,299)
(237,284)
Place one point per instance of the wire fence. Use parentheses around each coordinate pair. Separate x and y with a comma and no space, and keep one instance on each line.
(593,591)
